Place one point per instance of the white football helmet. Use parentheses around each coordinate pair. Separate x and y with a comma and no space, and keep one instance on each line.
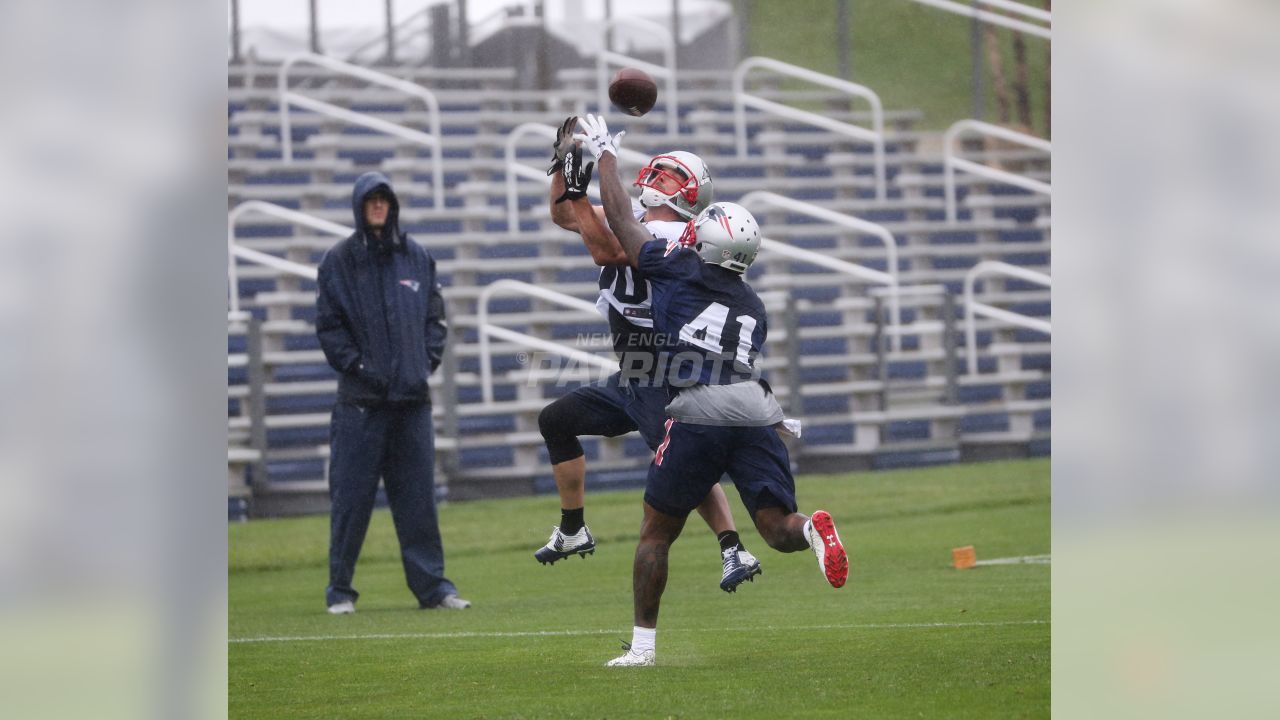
(724,234)
(685,183)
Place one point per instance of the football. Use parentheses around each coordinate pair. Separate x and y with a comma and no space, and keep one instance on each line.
(633,91)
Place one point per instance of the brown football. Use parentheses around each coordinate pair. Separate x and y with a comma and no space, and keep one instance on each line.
(633,91)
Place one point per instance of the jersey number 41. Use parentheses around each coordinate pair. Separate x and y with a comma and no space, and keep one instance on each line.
(705,332)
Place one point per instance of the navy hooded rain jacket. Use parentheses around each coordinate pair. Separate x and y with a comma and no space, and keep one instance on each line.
(379,313)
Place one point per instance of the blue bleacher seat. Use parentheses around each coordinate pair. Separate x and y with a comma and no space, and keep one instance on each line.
(900,430)
(429,227)
(823,405)
(489,456)
(907,370)
(472,394)
(1020,235)
(835,434)
(301,342)
(1026,335)
(287,470)
(824,373)
(953,237)
(817,294)
(978,393)
(279,177)
(809,194)
(824,346)
(303,372)
(985,422)
(298,437)
(509,250)
(300,404)
(1021,214)
(480,424)
(883,216)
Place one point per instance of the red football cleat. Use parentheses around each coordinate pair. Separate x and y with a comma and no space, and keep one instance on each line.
(825,541)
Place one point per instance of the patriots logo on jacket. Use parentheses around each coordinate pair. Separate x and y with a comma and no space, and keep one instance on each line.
(411,284)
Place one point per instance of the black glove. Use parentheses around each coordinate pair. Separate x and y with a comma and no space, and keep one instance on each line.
(576,177)
(564,141)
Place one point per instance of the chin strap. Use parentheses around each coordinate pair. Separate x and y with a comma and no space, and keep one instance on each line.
(679,211)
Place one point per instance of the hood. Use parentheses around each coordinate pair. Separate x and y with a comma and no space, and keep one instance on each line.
(366,184)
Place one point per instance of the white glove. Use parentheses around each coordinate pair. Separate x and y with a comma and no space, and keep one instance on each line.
(596,137)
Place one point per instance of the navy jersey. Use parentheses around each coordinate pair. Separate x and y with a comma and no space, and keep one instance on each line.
(708,322)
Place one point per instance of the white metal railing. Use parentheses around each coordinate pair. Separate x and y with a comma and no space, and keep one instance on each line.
(236,251)
(512,169)
(890,278)
(288,98)
(668,72)
(485,329)
(742,99)
(997,19)
(973,308)
(952,163)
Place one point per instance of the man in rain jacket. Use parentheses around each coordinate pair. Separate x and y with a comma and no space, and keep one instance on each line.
(380,318)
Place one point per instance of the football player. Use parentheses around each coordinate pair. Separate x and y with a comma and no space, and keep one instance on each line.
(724,417)
(674,187)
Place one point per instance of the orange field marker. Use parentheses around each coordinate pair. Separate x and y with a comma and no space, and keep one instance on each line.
(964,558)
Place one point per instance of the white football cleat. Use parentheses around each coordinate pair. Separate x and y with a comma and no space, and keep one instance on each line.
(739,567)
(631,658)
(825,543)
(345,607)
(561,546)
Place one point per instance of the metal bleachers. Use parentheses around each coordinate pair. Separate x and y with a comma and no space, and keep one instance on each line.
(829,357)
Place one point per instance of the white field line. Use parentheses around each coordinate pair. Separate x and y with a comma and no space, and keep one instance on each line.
(579,633)
(1025,559)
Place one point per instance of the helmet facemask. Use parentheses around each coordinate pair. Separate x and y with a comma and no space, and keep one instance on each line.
(678,180)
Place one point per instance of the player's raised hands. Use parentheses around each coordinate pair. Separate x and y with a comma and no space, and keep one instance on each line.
(576,177)
(595,136)
(564,141)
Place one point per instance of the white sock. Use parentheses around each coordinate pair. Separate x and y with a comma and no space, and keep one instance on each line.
(643,639)
(808,525)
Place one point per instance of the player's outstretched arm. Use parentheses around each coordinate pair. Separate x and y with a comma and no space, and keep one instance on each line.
(589,220)
(602,244)
(561,214)
(617,204)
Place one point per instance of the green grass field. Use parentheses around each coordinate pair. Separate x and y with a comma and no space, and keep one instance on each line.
(907,637)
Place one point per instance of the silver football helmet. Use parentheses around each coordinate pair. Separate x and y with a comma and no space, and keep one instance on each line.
(725,234)
(678,179)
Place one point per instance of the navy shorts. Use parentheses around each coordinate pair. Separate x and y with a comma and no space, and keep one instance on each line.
(614,407)
(692,458)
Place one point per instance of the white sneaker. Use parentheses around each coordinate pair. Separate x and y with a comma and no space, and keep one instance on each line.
(346,607)
(631,658)
(452,602)
(561,546)
(825,543)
